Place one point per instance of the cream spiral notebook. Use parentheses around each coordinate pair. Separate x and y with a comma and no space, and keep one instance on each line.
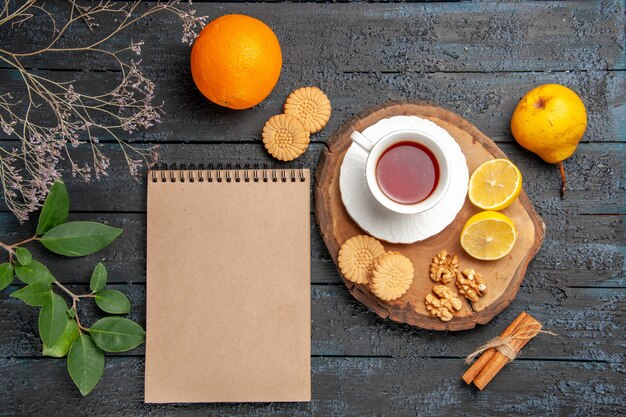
(228,285)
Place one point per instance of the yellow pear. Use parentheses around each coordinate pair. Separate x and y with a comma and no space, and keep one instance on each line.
(550,120)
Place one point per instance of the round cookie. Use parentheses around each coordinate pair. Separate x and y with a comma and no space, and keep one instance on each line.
(357,256)
(392,276)
(311,106)
(285,137)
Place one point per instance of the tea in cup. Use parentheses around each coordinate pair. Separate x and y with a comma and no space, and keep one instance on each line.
(407,171)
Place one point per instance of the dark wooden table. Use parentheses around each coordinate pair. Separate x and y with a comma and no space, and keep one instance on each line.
(476,59)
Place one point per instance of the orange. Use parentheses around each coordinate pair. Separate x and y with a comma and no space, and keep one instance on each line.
(236,61)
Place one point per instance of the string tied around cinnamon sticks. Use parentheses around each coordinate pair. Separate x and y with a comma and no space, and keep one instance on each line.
(505,346)
(500,350)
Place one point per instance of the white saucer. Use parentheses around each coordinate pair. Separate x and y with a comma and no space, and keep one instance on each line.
(383,223)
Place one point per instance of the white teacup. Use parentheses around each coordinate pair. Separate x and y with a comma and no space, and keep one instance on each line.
(376,149)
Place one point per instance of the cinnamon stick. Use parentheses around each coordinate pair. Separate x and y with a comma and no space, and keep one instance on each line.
(498,361)
(480,363)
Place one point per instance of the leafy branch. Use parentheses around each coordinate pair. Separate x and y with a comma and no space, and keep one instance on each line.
(60,327)
(77,117)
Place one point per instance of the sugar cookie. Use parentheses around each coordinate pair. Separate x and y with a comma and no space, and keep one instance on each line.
(311,106)
(285,137)
(392,276)
(357,256)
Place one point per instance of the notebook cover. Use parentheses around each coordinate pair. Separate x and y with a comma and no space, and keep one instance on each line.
(228,291)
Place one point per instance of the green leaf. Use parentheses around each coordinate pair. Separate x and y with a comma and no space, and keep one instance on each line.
(55,209)
(6,275)
(113,302)
(52,319)
(117,334)
(85,363)
(35,295)
(23,256)
(79,238)
(62,346)
(71,312)
(33,272)
(98,278)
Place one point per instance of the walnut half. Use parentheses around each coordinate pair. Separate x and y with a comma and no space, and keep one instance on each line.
(445,305)
(471,284)
(444,267)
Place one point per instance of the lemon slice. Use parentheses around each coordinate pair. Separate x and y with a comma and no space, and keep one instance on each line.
(495,184)
(488,236)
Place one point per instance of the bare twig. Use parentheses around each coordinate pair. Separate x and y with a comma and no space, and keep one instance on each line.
(78,117)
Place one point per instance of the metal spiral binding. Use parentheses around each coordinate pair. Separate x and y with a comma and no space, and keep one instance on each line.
(228,173)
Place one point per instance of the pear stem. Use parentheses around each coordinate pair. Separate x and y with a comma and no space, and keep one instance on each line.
(563,182)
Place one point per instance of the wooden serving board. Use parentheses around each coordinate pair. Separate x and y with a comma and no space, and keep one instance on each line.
(503,277)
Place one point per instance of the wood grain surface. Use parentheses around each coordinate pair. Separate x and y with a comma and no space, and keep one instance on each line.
(475,59)
(503,277)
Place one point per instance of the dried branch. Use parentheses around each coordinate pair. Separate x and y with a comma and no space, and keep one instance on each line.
(79,117)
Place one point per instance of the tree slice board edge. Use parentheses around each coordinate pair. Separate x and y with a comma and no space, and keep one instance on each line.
(336,226)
